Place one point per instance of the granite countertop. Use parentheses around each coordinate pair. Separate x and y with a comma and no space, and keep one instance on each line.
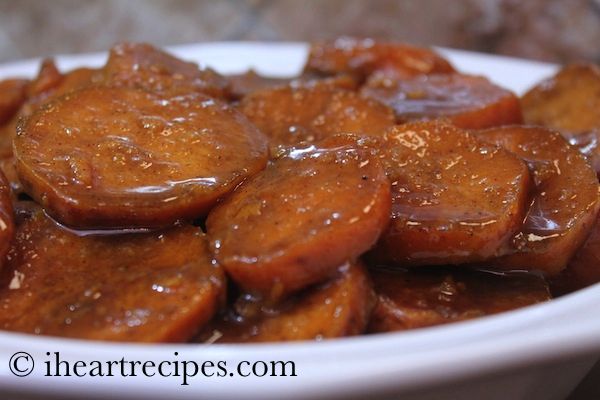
(553,30)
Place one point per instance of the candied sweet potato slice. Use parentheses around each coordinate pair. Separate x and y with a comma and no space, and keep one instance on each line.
(44,88)
(7,162)
(426,297)
(294,223)
(32,93)
(48,78)
(565,198)
(468,101)
(365,56)
(588,144)
(7,221)
(7,134)
(289,115)
(7,166)
(455,199)
(140,287)
(568,102)
(49,83)
(340,307)
(13,93)
(107,157)
(144,66)
(583,269)
(243,84)
(77,79)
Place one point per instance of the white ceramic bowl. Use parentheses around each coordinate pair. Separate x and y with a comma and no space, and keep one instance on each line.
(538,352)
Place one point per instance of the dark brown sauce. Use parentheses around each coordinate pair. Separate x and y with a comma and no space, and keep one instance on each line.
(409,299)
(139,162)
(339,307)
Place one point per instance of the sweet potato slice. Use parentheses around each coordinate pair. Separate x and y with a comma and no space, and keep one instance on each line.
(7,221)
(568,102)
(289,115)
(7,133)
(13,93)
(48,86)
(7,166)
(48,83)
(365,56)
(338,308)
(583,269)
(470,102)
(243,84)
(455,199)
(565,198)
(141,65)
(588,144)
(107,157)
(77,79)
(426,297)
(32,94)
(48,78)
(294,223)
(141,287)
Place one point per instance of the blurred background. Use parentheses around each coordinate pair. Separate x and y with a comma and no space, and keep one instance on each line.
(551,30)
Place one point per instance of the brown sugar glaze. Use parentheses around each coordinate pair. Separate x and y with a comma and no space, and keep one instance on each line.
(306,187)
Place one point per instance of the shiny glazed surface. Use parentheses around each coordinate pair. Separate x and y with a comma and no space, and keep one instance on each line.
(105,157)
(337,308)
(7,219)
(470,102)
(152,287)
(564,202)
(292,224)
(142,65)
(455,199)
(292,114)
(411,299)
(365,56)
(148,140)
